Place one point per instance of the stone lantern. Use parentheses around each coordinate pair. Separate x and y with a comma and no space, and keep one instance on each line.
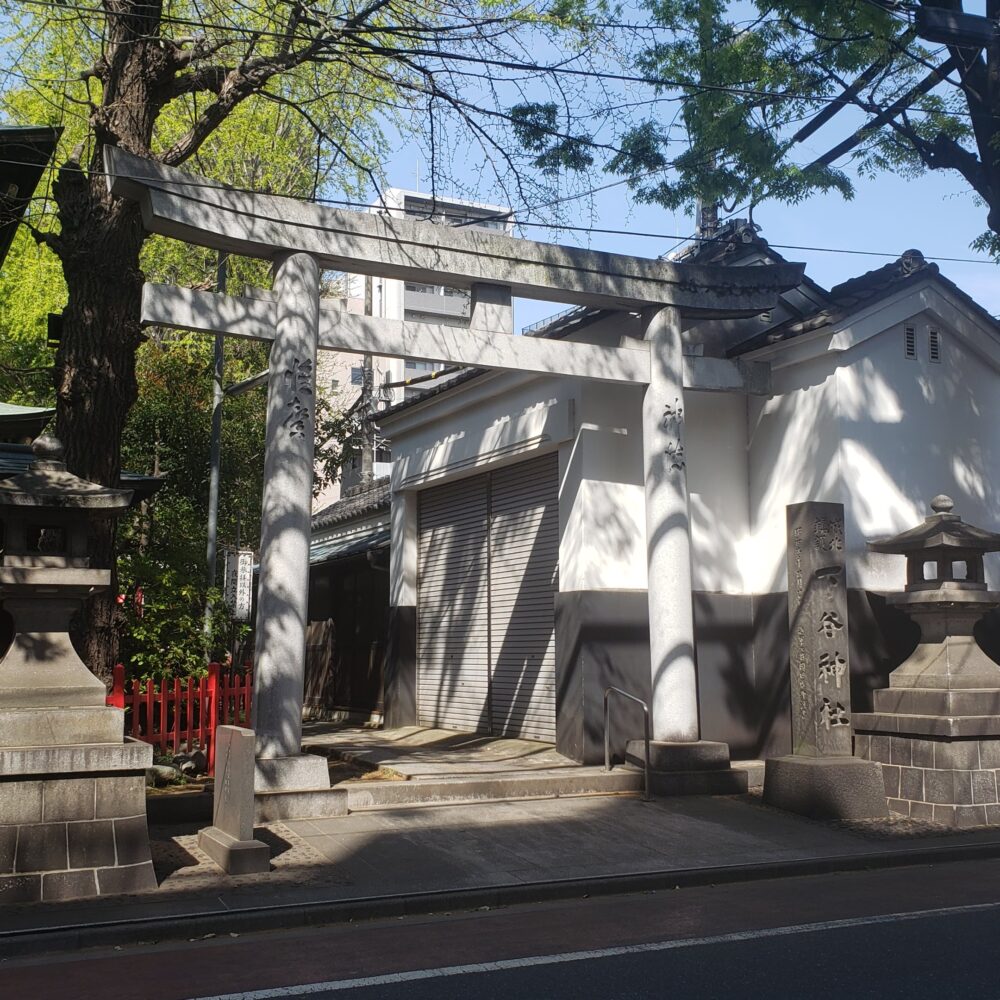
(936,728)
(72,791)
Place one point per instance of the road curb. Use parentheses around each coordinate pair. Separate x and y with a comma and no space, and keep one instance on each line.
(133,930)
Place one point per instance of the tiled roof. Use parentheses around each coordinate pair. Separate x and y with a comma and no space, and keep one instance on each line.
(357,503)
(866,288)
(15,459)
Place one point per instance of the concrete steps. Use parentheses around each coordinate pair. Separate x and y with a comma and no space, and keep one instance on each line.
(491,787)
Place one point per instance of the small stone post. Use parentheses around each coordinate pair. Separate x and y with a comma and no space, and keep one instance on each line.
(821,778)
(229,840)
(283,595)
(681,762)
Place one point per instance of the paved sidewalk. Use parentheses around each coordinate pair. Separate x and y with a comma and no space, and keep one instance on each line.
(464,853)
(425,858)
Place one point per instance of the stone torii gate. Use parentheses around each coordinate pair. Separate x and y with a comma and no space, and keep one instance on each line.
(301,239)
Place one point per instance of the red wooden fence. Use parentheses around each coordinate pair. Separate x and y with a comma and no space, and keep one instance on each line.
(183,712)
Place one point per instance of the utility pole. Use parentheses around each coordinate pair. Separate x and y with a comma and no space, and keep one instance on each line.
(215,452)
(367,404)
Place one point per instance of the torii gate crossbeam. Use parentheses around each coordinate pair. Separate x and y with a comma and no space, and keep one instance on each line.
(301,239)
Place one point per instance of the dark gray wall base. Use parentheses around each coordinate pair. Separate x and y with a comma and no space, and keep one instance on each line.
(401,668)
(602,640)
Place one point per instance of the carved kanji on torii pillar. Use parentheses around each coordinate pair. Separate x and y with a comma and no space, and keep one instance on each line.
(304,238)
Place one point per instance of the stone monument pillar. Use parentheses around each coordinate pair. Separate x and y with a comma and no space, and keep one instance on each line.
(72,792)
(680,761)
(821,778)
(283,595)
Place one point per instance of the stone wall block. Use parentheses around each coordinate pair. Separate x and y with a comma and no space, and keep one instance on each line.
(899,806)
(131,878)
(880,749)
(890,775)
(69,885)
(962,781)
(900,750)
(956,754)
(939,787)
(41,848)
(984,787)
(67,799)
(20,802)
(131,840)
(989,753)
(966,816)
(945,815)
(922,810)
(125,796)
(922,752)
(8,842)
(911,783)
(993,815)
(20,889)
(91,844)
(862,746)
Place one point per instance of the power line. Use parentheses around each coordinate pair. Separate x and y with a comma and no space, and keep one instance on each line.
(393,52)
(555,227)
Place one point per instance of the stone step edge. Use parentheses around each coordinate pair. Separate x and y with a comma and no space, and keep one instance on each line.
(397,794)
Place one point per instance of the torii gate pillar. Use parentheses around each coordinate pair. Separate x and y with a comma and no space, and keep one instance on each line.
(283,588)
(680,761)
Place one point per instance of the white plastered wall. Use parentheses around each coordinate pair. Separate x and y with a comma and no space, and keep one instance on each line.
(715,428)
(880,433)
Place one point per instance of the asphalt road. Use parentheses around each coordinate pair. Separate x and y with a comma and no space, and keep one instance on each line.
(909,932)
(927,959)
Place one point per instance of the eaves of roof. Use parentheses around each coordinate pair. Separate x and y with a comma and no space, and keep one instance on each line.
(358,504)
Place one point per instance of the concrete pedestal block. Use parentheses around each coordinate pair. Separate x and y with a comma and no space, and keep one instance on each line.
(234,857)
(301,771)
(73,822)
(826,787)
(700,767)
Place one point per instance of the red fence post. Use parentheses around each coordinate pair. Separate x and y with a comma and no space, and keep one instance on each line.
(213,714)
(116,696)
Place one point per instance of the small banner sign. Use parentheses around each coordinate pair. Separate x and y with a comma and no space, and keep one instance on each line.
(238,586)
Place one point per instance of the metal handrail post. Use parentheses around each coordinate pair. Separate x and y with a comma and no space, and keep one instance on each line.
(607,734)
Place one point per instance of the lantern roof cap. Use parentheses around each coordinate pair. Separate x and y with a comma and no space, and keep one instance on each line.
(942,529)
(47,483)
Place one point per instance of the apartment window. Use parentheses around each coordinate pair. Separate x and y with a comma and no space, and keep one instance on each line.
(357,375)
(934,346)
(910,342)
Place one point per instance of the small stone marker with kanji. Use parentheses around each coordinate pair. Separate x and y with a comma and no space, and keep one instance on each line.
(821,777)
(229,841)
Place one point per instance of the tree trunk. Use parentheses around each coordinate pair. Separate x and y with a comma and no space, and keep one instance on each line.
(95,380)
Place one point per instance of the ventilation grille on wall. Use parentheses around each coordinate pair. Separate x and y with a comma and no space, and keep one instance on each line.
(909,342)
(934,346)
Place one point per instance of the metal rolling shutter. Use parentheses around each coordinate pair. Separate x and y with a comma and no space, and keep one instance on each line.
(524,556)
(453,607)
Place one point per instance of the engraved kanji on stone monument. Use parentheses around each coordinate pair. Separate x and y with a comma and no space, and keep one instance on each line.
(817,622)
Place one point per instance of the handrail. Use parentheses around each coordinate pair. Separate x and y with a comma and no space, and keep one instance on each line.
(607,734)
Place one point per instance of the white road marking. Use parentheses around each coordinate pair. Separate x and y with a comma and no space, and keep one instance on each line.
(276,993)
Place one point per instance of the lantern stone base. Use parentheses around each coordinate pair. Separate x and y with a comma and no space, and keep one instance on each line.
(825,787)
(938,769)
(73,821)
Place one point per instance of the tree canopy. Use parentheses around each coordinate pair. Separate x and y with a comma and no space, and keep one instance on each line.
(879,84)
